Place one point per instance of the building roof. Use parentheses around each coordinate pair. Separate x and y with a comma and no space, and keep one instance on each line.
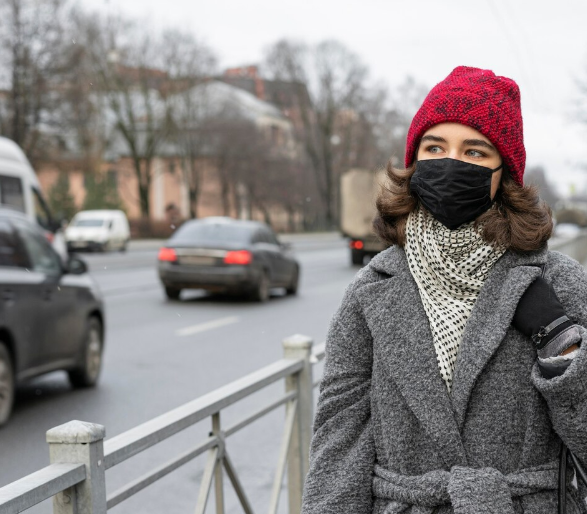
(197,105)
(284,94)
(223,98)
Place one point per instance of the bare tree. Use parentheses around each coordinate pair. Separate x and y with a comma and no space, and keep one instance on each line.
(131,80)
(289,61)
(404,102)
(31,50)
(266,174)
(281,187)
(228,137)
(234,142)
(337,81)
(189,64)
(82,111)
(256,172)
(536,175)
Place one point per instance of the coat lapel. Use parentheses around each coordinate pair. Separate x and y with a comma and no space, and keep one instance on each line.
(490,319)
(397,319)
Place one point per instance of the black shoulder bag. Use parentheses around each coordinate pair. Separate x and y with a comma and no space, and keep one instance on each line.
(565,456)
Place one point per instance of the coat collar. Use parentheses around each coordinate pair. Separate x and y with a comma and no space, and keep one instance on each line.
(409,353)
(490,320)
(393,261)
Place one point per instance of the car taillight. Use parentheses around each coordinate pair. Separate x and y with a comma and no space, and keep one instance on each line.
(356,245)
(238,257)
(167,255)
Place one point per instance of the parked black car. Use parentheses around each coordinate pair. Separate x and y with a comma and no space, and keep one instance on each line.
(51,313)
(228,256)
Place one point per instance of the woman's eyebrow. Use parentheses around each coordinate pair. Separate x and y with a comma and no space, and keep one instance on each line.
(478,142)
(436,139)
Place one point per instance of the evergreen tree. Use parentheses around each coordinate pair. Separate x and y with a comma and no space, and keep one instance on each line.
(101,193)
(60,198)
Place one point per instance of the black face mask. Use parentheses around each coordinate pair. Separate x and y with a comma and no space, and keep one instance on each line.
(453,191)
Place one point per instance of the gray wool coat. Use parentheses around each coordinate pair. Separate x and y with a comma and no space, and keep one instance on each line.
(388,438)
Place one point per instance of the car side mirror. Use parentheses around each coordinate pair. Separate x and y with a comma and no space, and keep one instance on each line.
(76,266)
(55,225)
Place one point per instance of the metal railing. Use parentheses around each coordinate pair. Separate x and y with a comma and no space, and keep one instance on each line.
(575,246)
(79,455)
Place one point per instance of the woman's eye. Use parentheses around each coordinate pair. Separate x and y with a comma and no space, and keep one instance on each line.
(434,149)
(475,153)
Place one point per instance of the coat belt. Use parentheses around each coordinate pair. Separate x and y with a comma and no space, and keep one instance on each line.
(468,490)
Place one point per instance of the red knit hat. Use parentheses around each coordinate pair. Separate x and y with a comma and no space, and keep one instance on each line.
(480,99)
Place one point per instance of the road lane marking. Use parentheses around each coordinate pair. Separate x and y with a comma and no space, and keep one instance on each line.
(208,325)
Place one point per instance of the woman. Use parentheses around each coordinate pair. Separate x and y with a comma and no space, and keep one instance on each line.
(455,364)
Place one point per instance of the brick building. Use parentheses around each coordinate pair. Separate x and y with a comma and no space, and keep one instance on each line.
(230,99)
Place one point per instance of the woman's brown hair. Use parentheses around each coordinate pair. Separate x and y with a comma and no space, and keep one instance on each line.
(519,220)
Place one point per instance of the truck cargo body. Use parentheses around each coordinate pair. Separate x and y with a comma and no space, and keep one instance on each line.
(358,192)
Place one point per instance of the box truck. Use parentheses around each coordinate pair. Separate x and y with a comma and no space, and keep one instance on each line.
(358,192)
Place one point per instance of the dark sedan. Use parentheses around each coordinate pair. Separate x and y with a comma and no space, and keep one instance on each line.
(51,314)
(227,256)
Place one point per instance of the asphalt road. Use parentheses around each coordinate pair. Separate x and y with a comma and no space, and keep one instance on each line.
(161,354)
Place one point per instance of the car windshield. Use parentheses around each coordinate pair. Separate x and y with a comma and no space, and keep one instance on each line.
(88,222)
(212,233)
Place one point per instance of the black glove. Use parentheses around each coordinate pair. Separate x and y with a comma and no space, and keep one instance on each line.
(541,316)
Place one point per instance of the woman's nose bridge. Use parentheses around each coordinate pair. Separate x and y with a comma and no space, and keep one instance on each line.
(453,152)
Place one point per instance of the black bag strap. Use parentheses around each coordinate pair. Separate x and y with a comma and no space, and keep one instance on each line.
(562,468)
(579,469)
(562,480)
(580,473)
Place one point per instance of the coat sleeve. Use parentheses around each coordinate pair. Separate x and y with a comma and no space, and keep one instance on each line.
(566,394)
(342,452)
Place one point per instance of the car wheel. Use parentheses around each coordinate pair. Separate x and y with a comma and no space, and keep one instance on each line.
(6,384)
(357,257)
(172,293)
(262,290)
(295,279)
(86,375)
(124,246)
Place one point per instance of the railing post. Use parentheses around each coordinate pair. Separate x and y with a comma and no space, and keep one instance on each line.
(80,442)
(219,490)
(299,347)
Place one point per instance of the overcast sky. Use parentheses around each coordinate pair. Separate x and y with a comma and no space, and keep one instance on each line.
(542,45)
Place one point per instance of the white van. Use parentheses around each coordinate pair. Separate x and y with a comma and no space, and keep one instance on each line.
(98,230)
(20,190)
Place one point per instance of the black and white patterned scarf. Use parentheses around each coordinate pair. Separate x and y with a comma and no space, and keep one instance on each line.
(450,268)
